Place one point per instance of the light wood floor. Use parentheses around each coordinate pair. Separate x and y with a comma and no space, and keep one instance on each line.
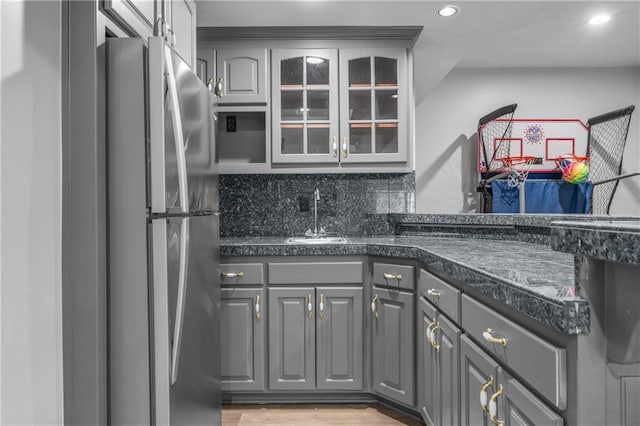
(313,414)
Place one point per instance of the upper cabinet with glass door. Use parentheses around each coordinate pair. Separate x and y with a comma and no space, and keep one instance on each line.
(373,106)
(305,106)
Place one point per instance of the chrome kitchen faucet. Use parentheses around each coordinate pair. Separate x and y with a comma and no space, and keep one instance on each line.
(315,233)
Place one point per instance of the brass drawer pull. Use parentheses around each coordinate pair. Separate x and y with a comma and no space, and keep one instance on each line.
(483,394)
(321,305)
(435,345)
(489,338)
(433,292)
(388,276)
(429,336)
(309,307)
(374,306)
(345,151)
(257,307)
(232,274)
(493,407)
(334,147)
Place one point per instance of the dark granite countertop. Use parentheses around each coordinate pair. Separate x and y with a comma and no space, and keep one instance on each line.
(531,278)
(610,240)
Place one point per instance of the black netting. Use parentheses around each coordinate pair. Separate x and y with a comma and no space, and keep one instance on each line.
(494,131)
(607,138)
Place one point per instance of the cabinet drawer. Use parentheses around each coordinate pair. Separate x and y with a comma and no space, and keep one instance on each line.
(316,273)
(441,294)
(540,363)
(401,276)
(241,273)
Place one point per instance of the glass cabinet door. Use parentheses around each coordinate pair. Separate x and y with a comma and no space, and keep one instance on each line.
(305,106)
(373,105)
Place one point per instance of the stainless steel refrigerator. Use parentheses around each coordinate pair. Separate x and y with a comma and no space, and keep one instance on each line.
(163,228)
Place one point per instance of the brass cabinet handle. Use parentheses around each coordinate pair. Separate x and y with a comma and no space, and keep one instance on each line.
(345,152)
(431,325)
(388,276)
(435,345)
(321,305)
(493,407)
(433,292)
(334,148)
(483,394)
(489,338)
(374,306)
(309,307)
(232,274)
(257,307)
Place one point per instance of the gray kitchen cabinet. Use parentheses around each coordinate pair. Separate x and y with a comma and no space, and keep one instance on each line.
(374,125)
(426,365)
(244,75)
(180,15)
(315,331)
(393,344)
(292,339)
(144,18)
(304,105)
(478,382)
(243,319)
(136,17)
(372,110)
(487,390)
(537,361)
(438,367)
(339,338)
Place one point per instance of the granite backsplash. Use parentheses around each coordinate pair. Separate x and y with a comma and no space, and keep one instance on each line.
(282,204)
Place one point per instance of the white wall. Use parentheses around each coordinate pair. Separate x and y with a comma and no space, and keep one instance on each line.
(30,214)
(447,118)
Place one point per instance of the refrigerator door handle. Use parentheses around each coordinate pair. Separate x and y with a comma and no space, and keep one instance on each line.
(180,302)
(177,132)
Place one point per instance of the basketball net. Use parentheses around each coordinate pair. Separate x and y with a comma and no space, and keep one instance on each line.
(519,168)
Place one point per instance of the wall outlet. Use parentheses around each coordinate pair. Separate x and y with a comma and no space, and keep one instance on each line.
(303,203)
(231,123)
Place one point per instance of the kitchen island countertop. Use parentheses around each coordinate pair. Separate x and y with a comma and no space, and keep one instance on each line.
(531,278)
(534,276)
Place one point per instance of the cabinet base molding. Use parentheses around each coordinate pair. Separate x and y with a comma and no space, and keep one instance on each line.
(314,397)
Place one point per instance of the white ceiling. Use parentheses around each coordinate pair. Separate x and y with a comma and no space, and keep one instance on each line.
(485,34)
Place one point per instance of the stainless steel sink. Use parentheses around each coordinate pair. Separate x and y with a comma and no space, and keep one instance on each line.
(318,240)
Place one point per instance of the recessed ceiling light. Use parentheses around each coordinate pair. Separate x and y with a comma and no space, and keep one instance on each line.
(599,19)
(448,10)
(314,60)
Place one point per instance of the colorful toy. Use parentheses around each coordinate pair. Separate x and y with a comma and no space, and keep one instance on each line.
(574,170)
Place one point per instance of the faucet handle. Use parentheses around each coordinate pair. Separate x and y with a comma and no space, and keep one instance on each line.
(308,233)
(322,231)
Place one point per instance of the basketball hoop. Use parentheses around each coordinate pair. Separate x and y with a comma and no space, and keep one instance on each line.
(518,167)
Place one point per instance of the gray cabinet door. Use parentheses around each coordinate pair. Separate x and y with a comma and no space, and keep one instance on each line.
(242,347)
(517,406)
(244,75)
(292,338)
(427,370)
(374,105)
(339,338)
(392,345)
(478,372)
(304,105)
(438,367)
(135,17)
(181,17)
(446,337)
